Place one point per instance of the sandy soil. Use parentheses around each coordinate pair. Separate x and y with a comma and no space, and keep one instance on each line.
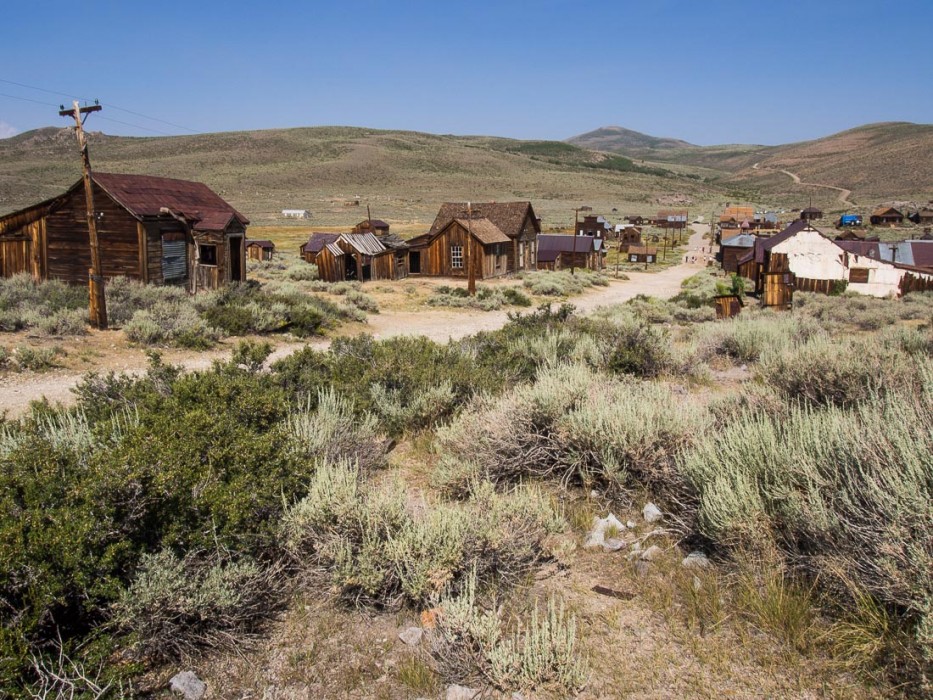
(101,352)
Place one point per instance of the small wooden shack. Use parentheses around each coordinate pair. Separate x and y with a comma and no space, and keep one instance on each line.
(733,248)
(360,256)
(630,235)
(642,254)
(377,227)
(563,251)
(811,214)
(316,241)
(672,218)
(259,250)
(153,229)
(886,216)
(728,305)
(922,216)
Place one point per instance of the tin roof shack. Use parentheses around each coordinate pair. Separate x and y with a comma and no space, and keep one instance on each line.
(811,214)
(802,258)
(153,229)
(316,241)
(923,216)
(563,251)
(516,220)
(259,250)
(359,256)
(734,248)
(886,216)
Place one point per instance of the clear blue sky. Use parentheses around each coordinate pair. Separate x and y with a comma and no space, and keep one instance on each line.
(707,71)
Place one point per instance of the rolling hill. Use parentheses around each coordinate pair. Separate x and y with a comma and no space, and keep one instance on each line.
(404,176)
(890,160)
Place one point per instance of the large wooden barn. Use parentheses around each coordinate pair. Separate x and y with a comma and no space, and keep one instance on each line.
(505,236)
(152,229)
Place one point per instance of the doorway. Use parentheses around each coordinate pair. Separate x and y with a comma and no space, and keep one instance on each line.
(236,259)
(414,262)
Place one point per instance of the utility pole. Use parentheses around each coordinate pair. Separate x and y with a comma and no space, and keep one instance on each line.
(573,259)
(98,304)
(471,273)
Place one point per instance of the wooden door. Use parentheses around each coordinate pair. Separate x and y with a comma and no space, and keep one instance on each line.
(779,289)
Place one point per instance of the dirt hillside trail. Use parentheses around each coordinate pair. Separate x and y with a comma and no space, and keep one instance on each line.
(844,194)
(439,325)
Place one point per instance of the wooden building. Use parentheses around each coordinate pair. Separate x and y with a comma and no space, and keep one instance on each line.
(923,216)
(316,241)
(671,218)
(595,226)
(360,256)
(886,216)
(433,253)
(636,220)
(562,252)
(153,229)
(642,254)
(628,235)
(733,216)
(377,227)
(733,248)
(259,250)
(811,213)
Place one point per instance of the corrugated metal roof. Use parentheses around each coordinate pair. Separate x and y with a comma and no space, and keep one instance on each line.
(742,240)
(334,249)
(564,243)
(365,243)
(146,196)
(922,252)
(317,240)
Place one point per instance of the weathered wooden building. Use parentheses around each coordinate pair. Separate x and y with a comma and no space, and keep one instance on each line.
(886,216)
(811,213)
(922,216)
(259,249)
(563,251)
(152,229)
(672,218)
(733,248)
(595,226)
(316,241)
(360,256)
(642,254)
(377,227)
(628,235)
(506,234)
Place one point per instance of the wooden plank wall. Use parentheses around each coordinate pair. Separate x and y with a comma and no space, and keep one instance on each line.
(330,268)
(68,254)
(15,256)
(914,283)
(804,284)
(436,258)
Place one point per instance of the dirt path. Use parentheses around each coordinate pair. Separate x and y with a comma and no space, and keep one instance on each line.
(440,325)
(844,194)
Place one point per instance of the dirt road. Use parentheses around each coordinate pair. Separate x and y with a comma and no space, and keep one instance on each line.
(437,324)
(844,194)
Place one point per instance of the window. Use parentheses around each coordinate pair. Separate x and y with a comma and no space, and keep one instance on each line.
(456,256)
(858,275)
(207,254)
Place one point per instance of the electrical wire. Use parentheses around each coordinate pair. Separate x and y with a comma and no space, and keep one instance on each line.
(108,104)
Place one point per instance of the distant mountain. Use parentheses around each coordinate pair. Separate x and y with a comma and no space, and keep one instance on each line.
(618,139)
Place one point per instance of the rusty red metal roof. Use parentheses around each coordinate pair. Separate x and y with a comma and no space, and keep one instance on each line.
(260,243)
(146,195)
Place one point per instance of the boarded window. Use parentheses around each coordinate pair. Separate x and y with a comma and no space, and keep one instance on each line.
(174,257)
(207,254)
(456,256)
(858,275)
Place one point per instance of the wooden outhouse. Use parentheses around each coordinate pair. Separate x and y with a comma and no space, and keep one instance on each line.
(153,229)
(259,250)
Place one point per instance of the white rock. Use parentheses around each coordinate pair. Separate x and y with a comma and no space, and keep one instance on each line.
(594,494)
(597,536)
(630,524)
(461,692)
(188,684)
(411,636)
(652,553)
(651,513)
(695,560)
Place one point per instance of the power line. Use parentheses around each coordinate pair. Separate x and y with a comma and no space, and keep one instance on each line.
(136,126)
(26,99)
(108,105)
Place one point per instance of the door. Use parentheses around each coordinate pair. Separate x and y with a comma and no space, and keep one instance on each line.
(414,262)
(236,259)
(174,257)
(779,289)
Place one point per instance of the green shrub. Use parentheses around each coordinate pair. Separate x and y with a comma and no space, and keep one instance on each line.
(302,272)
(362,301)
(35,359)
(471,645)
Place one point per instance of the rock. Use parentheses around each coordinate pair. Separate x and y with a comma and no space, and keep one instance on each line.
(594,494)
(651,513)
(695,560)
(597,536)
(642,568)
(188,684)
(411,636)
(630,524)
(461,692)
(652,553)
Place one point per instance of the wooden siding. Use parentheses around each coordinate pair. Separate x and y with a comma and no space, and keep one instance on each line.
(728,306)
(730,257)
(778,289)
(487,260)
(67,239)
(15,256)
